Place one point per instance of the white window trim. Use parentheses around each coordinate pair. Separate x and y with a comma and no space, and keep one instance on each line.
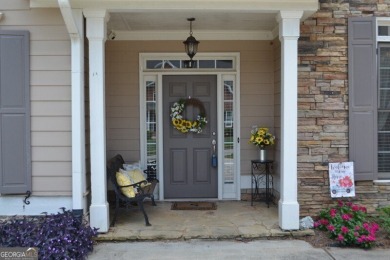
(382,21)
(225,191)
(382,181)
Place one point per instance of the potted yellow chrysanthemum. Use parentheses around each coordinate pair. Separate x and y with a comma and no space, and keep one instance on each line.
(262,138)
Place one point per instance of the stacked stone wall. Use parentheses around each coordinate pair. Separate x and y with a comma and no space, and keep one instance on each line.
(323,103)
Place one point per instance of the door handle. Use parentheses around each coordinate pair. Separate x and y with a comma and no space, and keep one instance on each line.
(214,159)
(214,143)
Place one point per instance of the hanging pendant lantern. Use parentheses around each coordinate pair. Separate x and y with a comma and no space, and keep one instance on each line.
(191,46)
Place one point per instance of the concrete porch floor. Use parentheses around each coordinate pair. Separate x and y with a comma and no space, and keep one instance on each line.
(231,220)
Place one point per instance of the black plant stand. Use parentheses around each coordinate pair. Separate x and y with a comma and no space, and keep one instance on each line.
(261,173)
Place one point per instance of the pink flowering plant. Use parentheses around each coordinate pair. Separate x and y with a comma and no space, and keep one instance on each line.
(346,222)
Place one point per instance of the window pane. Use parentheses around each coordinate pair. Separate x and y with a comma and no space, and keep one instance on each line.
(151,124)
(228,170)
(384,57)
(384,77)
(171,64)
(207,64)
(383,30)
(183,65)
(384,99)
(150,91)
(224,64)
(151,152)
(162,64)
(228,90)
(384,121)
(384,142)
(153,64)
(384,109)
(384,162)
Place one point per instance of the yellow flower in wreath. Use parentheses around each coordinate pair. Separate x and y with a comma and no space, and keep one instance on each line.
(188,124)
(184,125)
(176,122)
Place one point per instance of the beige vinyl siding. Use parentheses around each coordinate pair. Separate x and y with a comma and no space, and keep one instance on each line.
(49,93)
(49,168)
(122,90)
(14,5)
(122,99)
(46,48)
(50,80)
(257,95)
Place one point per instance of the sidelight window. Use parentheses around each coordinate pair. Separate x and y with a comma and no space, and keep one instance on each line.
(151,124)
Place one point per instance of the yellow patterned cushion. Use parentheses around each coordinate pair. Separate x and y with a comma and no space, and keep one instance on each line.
(123,180)
(137,176)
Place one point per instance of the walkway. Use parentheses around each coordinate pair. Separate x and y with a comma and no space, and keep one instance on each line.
(234,231)
(231,219)
(226,250)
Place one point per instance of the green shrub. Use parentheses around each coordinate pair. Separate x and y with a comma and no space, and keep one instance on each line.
(384,219)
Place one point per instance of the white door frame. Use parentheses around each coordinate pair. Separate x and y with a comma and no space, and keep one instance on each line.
(225,191)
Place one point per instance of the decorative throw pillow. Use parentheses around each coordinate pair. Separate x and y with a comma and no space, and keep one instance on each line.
(131,166)
(134,166)
(123,180)
(136,176)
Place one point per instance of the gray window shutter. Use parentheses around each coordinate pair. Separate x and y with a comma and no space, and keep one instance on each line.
(15,155)
(362,96)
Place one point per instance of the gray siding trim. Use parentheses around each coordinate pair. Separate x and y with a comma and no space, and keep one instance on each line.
(362,96)
(15,135)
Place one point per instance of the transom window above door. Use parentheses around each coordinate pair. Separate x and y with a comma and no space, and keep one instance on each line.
(178,63)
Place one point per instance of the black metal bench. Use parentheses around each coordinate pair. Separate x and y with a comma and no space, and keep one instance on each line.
(113,166)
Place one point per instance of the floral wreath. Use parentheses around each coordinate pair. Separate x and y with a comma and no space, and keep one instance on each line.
(183,125)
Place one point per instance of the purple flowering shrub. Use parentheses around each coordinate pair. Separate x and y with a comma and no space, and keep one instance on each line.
(347,223)
(57,236)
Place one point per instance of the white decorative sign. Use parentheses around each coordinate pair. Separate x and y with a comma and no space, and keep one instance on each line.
(341,179)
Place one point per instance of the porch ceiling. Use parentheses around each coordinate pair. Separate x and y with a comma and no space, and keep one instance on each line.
(208,25)
(162,21)
(167,19)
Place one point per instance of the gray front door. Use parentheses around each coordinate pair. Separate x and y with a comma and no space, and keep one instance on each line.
(188,172)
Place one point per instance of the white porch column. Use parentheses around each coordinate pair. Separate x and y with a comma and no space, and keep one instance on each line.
(78,117)
(288,34)
(74,21)
(96,33)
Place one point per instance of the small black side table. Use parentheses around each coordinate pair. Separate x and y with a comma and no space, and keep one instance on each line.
(261,174)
